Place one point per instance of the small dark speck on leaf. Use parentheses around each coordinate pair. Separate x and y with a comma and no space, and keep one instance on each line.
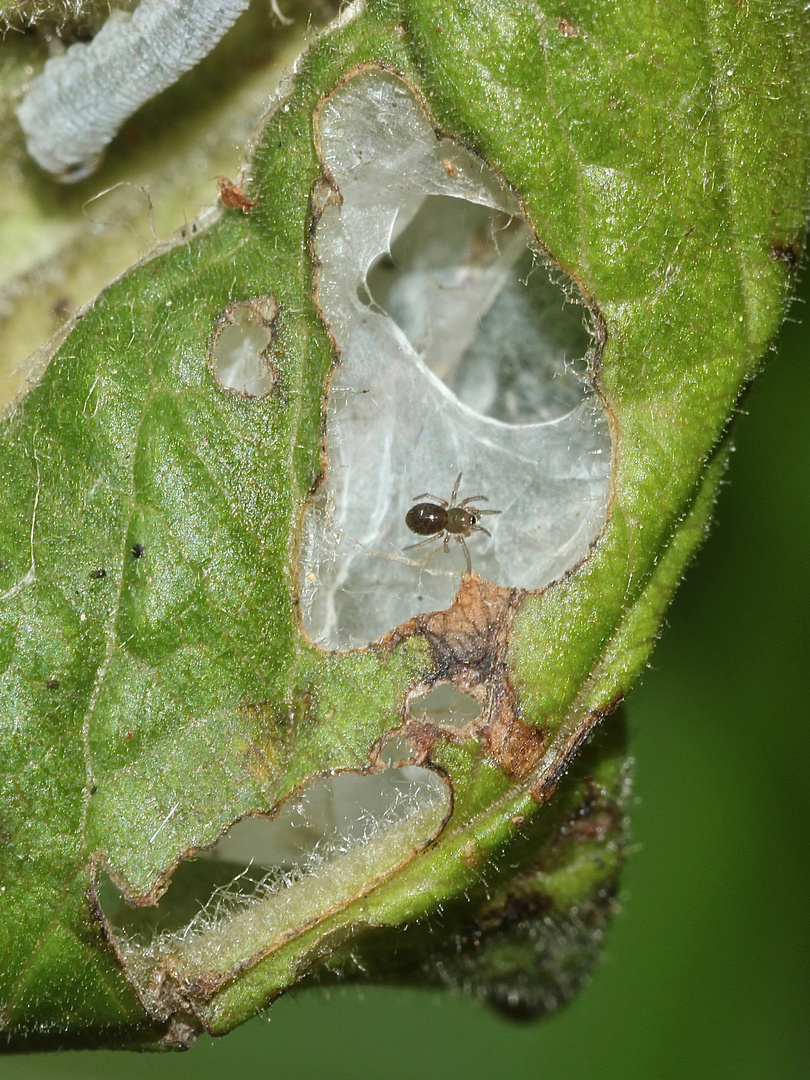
(137,551)
(788,253)
(52,684)
(97,575)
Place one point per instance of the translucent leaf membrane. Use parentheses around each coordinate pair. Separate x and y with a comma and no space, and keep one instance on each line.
(240,349)
(458,354)
(266,880)
(445,704)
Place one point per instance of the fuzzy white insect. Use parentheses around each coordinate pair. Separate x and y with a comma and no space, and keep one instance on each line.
(76,106)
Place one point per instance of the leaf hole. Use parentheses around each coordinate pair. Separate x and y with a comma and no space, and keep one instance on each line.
(267,879)
(445,704)
(241,346)
(459,356)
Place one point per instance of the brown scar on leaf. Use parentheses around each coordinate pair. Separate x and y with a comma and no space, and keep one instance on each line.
(468,643)
(232,196)
(177,1027)
(546,783)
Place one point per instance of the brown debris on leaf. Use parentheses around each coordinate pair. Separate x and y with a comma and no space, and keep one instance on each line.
(232,196)
(567,28)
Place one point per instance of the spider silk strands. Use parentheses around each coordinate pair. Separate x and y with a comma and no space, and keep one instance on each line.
(81,99)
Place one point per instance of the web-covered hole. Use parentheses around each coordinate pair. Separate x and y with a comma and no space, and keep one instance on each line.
(466,287)
(458,356)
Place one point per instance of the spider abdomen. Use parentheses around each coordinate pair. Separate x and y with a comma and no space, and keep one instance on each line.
(427,519)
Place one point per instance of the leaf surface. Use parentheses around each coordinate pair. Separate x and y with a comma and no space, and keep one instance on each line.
(157,685)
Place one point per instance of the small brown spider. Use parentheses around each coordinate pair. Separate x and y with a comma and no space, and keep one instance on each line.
(441,519)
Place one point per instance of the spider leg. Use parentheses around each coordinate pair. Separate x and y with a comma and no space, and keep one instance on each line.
(454,496)
(421,543)
(480,528)
(427,495)
(473,498)
(466,552)
(479,512)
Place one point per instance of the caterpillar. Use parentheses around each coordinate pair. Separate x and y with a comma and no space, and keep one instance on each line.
(75,107)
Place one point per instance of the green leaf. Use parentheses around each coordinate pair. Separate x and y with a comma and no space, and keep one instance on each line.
(164,549)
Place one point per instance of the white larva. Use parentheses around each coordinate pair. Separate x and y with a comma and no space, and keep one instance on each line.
(76,106)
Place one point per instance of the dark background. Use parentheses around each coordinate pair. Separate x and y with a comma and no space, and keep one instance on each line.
(706,969)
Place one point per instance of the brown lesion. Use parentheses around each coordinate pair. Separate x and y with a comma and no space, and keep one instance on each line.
(545,784)
(517,746)
(468,644)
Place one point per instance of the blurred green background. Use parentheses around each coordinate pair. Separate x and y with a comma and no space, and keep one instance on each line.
(706,968)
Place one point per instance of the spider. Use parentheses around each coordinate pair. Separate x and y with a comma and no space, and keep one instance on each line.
(446,519)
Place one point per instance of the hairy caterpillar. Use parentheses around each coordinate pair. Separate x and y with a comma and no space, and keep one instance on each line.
(76,106)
